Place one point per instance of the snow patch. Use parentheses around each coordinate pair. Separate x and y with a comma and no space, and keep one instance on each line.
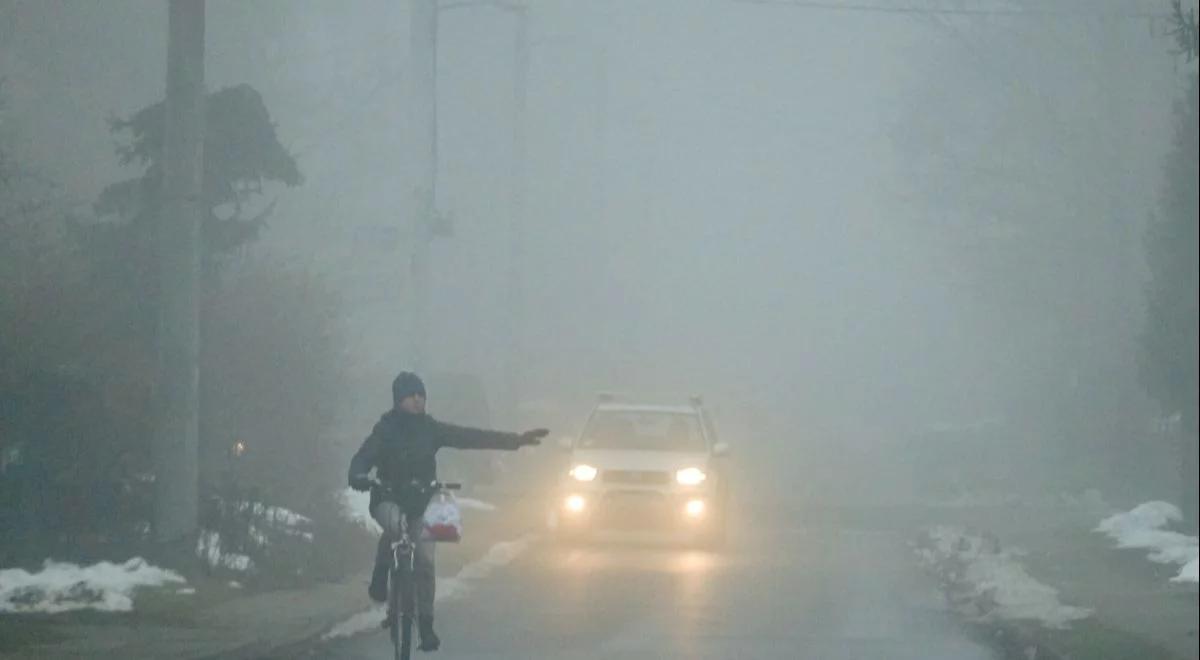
(61,587)
(358,624)
(208,549)
(1142,529)
(1150,515)
(241,533)
(1189,573)
(987,582)
(264,520)
(356,508)
(273,515)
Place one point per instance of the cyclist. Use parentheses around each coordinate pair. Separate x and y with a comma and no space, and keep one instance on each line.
(401,449)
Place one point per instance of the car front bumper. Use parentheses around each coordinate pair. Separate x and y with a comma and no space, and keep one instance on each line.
(583,510)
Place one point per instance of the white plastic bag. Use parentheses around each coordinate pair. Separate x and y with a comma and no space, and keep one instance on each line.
(442,521)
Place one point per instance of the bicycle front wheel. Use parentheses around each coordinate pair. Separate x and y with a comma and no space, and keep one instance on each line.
(401,608)
(405,647)
(393,611)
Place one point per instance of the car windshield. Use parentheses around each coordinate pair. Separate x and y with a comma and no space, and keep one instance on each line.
(647,431)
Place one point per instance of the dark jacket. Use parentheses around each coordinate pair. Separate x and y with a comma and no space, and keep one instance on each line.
(402,447)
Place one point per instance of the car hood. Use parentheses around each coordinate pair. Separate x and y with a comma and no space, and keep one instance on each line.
(625,459)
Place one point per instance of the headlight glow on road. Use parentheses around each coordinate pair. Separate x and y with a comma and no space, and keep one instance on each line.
(583,472)
(575,503)
(690,476)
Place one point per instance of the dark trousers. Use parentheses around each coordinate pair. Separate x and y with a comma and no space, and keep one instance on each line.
(388,515)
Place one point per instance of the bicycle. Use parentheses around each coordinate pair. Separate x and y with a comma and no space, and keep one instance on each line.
(401,600)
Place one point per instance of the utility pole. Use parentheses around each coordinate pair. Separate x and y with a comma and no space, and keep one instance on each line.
(422,113)
(424,219)
(600,128)
(178,242)
(514,374)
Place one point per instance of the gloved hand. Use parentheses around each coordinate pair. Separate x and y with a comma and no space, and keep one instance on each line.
(534,437)
(360,482)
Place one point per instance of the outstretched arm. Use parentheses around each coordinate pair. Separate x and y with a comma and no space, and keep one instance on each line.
(465,437)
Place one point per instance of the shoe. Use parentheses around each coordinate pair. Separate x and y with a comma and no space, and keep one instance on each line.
(429,639)
(378,589)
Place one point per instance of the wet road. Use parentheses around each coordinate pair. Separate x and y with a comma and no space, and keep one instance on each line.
(819,592)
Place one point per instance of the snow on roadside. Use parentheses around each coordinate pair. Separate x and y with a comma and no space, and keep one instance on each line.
(272,515)
(241,532)
(264,522)
(1189,573)
(356,509)
(362,622)
(450,588)
(986,582)
(208,548)
(1142,528)
(61,587)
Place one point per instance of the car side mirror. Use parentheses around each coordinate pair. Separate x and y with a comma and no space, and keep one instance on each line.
(566,443)
(720,449)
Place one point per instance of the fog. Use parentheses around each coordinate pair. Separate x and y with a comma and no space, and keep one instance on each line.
(930,264)
(841,227)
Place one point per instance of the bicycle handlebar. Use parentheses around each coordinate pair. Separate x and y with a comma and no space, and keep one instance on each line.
(429,487)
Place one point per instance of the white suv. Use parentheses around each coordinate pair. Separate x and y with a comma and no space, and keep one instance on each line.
(638,466)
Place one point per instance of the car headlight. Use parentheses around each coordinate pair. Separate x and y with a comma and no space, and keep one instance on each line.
(690,476)
(583,472)
(575,503)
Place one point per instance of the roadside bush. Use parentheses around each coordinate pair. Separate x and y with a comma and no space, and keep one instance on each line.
(65,451)
(78,324)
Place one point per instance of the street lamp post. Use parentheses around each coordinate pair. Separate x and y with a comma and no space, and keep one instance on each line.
(423,215)
(423,145)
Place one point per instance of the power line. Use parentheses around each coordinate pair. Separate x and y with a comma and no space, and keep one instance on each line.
(947,11)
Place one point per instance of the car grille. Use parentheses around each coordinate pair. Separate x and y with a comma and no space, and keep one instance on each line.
(636,477)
